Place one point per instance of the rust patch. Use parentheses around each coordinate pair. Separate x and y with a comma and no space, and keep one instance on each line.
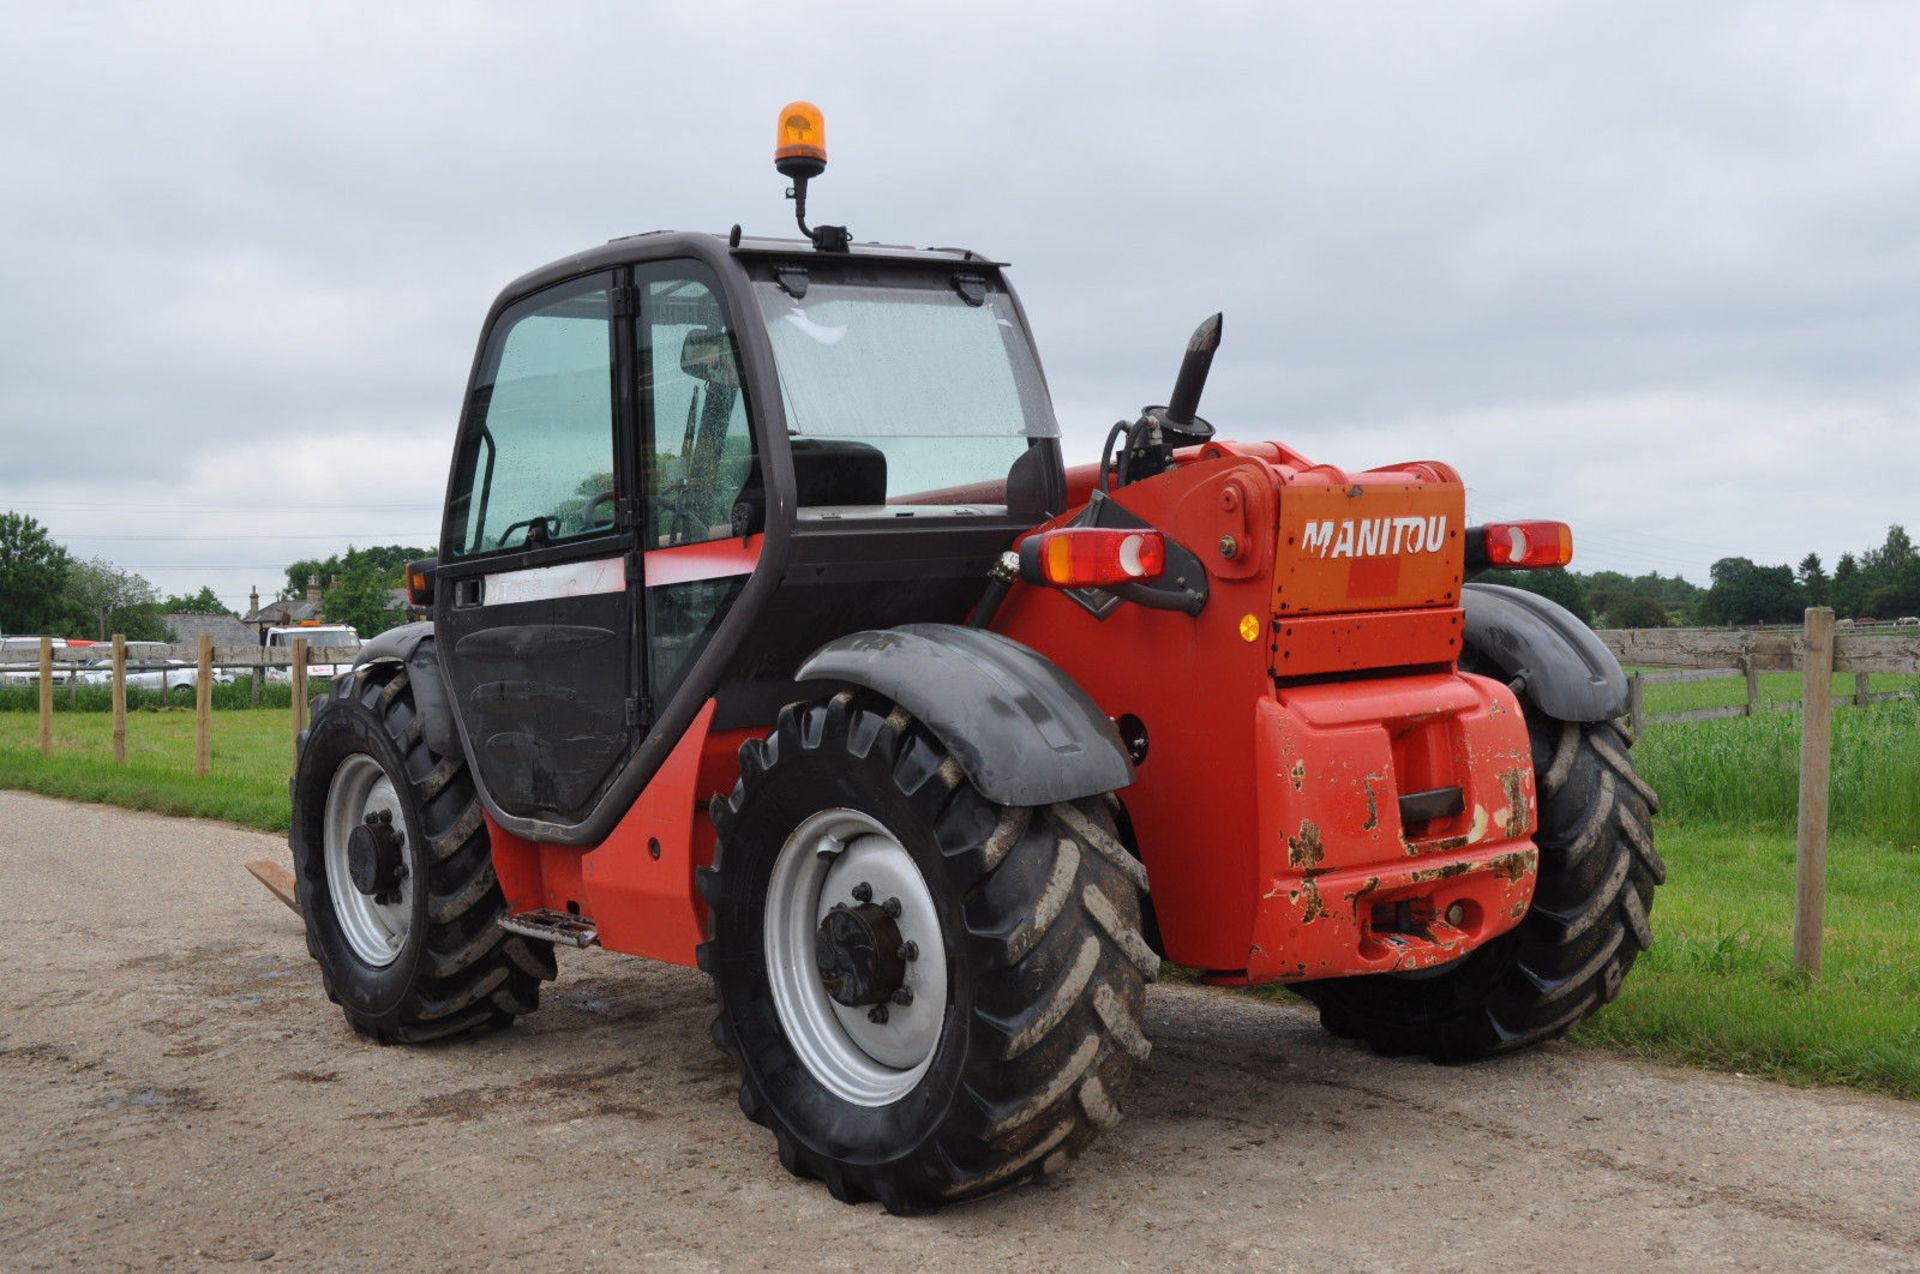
(1314,908)
(1514,866)
(1519,806)
(1373,809)
(1443,845)
(1299,775)
(1305,850)
(1445,871)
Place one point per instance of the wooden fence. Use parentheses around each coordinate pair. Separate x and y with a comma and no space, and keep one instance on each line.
(199,660)
(1817,651)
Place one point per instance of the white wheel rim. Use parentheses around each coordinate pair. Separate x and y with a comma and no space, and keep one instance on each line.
(375,930)
(861,1061)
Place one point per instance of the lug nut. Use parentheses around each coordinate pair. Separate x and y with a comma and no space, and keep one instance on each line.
(863,892)
(878,1015)
(892,907)
(1228,546)
(909,950)
(903,997)
(1457,914)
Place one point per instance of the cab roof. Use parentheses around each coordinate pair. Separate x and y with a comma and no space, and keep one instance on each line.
(654,245)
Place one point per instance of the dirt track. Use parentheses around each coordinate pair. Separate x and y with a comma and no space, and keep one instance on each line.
(175,1088)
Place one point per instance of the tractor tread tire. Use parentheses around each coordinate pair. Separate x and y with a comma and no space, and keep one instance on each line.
(1573,948)
(1049,951)
(469,974)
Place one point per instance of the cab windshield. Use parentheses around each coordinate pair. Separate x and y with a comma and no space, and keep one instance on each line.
(918,379)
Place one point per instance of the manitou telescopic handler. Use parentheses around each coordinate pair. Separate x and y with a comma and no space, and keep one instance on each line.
(772,633)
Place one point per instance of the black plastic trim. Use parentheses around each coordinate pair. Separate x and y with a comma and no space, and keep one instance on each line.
(412,645)
(1019,726)
(1565,670)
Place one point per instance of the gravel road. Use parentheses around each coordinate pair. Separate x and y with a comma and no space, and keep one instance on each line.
(176,1090)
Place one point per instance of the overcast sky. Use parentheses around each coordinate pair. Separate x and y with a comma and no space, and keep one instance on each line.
(1650,268)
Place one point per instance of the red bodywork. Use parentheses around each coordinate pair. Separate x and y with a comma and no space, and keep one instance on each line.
(1283,723)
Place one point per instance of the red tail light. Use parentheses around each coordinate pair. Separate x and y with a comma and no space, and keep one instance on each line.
(1088,557)
(1519,546)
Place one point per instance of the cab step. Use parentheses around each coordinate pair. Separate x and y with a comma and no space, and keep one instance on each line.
(552,926)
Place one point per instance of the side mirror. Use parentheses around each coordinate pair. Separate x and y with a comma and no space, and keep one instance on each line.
(707,355)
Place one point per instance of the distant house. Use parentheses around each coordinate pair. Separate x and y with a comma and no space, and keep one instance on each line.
(308,609)
(226,630)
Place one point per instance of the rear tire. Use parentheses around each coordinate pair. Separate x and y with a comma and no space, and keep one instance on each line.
(426,959)
(1569,954)
(1035,911)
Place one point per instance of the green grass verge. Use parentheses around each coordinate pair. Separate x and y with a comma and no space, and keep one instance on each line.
(227,696)
(252,756)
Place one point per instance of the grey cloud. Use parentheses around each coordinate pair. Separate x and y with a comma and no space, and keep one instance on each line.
(1639,265)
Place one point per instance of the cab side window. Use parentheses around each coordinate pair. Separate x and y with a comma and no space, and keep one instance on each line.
(702,449)
(537,465)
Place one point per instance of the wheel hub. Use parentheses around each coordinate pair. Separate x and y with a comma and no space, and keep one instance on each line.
(374,860)
(855,958)
(860,953)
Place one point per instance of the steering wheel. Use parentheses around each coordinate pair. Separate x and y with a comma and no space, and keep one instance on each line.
(539,522)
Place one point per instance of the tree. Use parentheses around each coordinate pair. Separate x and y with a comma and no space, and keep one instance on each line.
(1813,578)
(1637,612)
(204,602)
(391,559)
(364,598)
(1847,590)
(1743,593)
(103,599)
(33,571)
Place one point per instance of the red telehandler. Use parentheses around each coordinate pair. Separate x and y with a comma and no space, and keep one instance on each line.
(771,633)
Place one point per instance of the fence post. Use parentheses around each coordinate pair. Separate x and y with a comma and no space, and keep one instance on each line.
(46,696)
(1753,683)
(203,708)
(1862,688)
(299,680)
(259,674)
(119,699)
(1816,757)
(1636,704)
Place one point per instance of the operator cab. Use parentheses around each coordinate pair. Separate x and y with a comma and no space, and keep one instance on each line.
(674,438)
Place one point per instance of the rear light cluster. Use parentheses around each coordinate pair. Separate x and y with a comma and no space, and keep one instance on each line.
(1522,546)
(1092,557)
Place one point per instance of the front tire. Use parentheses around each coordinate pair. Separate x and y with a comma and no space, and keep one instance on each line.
(1570,953)
(1021,1029)
(419,956)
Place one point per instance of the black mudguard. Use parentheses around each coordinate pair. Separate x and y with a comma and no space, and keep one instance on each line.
(1020,728)
(412,645)
(1568,673)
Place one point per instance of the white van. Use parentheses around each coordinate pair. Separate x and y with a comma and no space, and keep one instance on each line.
(316,635)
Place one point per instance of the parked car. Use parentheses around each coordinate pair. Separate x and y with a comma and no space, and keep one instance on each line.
(316,635)
(150,666)
(1907,621)
(13,674)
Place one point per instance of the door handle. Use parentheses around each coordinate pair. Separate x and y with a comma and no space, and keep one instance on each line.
(468,592)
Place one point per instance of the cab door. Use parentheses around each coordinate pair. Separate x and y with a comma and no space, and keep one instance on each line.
(533,614)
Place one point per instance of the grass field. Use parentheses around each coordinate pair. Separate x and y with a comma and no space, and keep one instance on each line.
(1775,687)
(1718,987)
(252,757)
